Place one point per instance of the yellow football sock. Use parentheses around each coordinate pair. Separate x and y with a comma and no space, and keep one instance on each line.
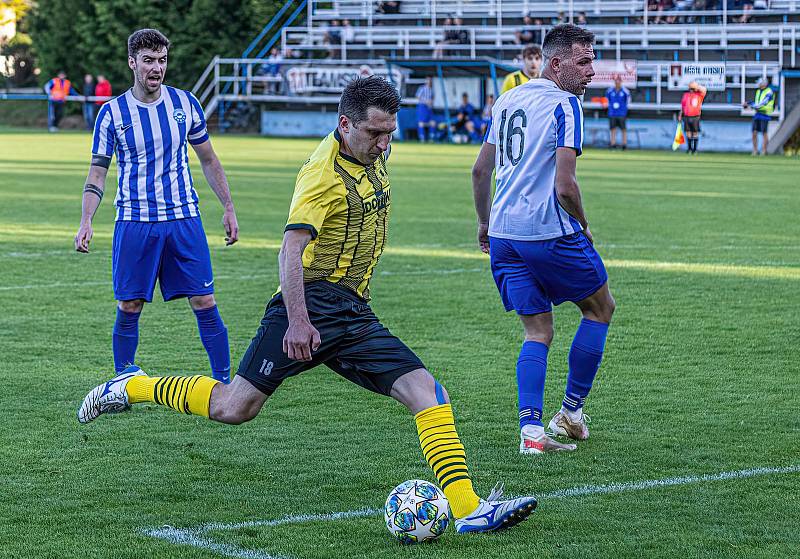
(445,455)
(191,395)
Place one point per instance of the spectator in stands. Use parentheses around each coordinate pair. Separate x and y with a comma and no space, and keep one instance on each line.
(392,7)
(486,115)
(581,19)
(102,89)
(691,107)
(426,124)
(764,105)
(273,69)
(348,32)
(618,98)
(88,106)
(450,37)
(527,34)
(462,35)
(561,18)
(465,123)
(333,39)
(747,13)
(57,89)
(661,6)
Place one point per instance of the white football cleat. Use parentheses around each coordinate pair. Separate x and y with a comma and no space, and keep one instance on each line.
(564,426)
(536,441)
(109,397)
(494,514)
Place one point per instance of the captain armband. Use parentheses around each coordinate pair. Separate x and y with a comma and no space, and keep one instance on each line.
(101,161)
(94,190)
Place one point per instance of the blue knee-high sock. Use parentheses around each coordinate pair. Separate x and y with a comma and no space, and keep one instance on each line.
(531,371)
(214,336)
(584,360)
(125,338)
(422,132)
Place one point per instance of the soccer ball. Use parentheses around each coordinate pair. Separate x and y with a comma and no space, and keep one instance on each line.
(416,511)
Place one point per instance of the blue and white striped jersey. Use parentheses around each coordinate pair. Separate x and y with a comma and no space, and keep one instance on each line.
(529,123)
(150,141)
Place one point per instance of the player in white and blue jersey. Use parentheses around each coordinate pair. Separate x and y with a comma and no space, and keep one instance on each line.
(537,235)
(618,98)
(158,233)
(426,123)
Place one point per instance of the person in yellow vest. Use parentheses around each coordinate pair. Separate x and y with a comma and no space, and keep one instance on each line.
(532,60)
(764,106)
(57,89)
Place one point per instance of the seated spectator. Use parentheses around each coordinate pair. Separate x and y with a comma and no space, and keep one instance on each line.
(462,35)
(348,32)
(747,12)
(392,7)
(581,19)
(274,69)
(465,125)
(450,38)
(561,18)
(527,34)
(332,39)
(486,115)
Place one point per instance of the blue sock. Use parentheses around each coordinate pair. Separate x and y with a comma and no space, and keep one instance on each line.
(422,132)
(584,360)
(125,338)
(531,371)
(214,336)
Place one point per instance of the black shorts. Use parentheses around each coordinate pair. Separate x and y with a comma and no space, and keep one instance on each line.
(354,343)
(691,124)
(760,125)
(616,122)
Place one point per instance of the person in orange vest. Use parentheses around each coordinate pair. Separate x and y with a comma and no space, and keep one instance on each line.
(691,106)
(57,91)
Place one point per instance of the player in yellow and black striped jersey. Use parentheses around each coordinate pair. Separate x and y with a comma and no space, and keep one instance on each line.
(334,237)
(532,64)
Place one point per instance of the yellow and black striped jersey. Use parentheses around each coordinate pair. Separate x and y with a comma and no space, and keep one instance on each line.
(345,206)
(513,80)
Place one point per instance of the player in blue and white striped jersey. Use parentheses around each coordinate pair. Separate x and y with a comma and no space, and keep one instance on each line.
(158,233)
(536,232)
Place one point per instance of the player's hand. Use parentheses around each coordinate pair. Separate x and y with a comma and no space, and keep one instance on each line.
(231,226)
(300,341)
(84,237)
(588,234)
(483,237)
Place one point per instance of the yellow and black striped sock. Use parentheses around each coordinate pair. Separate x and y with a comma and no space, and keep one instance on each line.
(191,395)
(446,456)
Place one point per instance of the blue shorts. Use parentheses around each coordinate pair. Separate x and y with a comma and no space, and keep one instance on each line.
(532,275)
(424,113)
(174,252)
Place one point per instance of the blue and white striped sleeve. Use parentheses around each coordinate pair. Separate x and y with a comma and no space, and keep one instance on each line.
(104,140)
(569,124)
(198,133)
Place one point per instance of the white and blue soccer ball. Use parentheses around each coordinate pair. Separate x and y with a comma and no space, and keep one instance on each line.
(416,511)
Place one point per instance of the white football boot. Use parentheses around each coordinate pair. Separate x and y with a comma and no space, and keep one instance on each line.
(494,513)
(536,441)
(109,397)
(565,426)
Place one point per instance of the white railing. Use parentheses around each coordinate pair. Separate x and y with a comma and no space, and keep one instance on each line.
(422,41)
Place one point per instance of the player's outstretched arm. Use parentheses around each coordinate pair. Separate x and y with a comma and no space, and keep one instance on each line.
(567,189)
(92,196)
(301,337)
(215,175)
(482,191)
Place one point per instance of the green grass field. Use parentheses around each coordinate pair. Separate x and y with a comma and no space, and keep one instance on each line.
(700,375)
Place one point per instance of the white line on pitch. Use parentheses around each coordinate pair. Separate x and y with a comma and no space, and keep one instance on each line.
(56,285)
(196,537)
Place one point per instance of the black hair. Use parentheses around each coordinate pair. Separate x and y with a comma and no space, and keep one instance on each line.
(152,39)
(362,93)
(559,40)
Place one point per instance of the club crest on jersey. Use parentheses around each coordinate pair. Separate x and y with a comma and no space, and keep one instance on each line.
(179,115)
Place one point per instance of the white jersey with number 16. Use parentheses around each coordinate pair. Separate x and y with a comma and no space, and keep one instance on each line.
(528,124)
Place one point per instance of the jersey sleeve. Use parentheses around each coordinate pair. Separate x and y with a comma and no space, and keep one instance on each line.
(491,132)
(569,124)
(104,139)
(198,133)
(313,196)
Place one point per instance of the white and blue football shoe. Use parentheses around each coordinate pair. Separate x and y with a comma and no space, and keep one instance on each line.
(109,397)
(494,513)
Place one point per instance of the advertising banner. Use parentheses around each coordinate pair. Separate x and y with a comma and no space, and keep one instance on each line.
(606,70)
(307,80)
(708,74)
